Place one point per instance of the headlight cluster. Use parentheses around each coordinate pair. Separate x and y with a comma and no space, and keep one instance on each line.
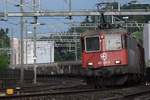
(90,64)
(117,62)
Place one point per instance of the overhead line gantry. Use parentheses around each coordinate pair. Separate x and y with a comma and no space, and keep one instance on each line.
(123,12)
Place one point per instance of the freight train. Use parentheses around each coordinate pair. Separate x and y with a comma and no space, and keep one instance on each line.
(110,56)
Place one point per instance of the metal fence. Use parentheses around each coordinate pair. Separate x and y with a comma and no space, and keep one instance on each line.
(11,77)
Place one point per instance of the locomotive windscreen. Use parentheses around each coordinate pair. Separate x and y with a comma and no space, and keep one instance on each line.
(92,44)
(113,41)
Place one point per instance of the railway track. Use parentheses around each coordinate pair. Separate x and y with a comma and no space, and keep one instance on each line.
(48,83)
(128,93)
(72,87)
(49,88)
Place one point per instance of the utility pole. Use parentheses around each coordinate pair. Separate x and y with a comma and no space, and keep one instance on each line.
(5,10)
(70,6)
(74,32)
(70,17)
(34,51)
(22,44)
(76,47)
(119,6)
(36,5)
(12,49)
(34,41)
(76,44)
(112,17)
(26,32)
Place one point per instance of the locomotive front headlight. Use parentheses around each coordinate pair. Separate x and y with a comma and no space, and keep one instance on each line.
(90,63)
(117,62)
(102,37)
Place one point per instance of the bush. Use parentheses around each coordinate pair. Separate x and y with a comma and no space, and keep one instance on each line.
(4,61)
(138,36)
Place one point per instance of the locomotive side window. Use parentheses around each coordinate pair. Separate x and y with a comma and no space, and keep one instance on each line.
(92,44)
(82,44)
(113,41)
(124,41)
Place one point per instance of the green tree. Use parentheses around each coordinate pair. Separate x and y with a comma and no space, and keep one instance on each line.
(138,36)
(61,54)
(139,19)
(4,54)
(4,39)
(137,32)
(4,61)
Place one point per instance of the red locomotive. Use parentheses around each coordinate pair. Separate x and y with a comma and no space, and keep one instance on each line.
(111,57)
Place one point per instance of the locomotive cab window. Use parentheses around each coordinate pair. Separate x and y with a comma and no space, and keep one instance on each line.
(82,44)
(113,41)
(92,44)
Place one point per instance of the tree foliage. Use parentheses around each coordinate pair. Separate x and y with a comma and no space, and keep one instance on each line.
(139,19)
(4,61)
(138,36)
(4,43)
(61,54)
(4,39)
(137,32)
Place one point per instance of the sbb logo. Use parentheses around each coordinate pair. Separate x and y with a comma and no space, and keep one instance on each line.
(103,56)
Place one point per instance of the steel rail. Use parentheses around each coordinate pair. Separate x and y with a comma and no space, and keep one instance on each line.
(48,94)
(131,95)
(110,94)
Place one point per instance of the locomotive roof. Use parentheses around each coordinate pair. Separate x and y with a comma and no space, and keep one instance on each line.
(106,31)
